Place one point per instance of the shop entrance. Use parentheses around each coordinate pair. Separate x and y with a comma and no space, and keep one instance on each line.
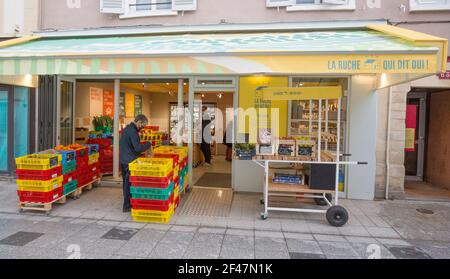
(426,145)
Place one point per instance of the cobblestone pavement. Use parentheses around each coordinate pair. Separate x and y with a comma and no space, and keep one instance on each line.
(94,227)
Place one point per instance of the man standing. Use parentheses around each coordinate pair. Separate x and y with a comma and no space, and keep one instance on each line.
(130,149)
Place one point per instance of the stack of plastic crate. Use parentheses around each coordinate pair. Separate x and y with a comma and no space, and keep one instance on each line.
(82,164)
(69,171)
(93,162)
(152,190)
(39,178)
(105,152)
(180,157)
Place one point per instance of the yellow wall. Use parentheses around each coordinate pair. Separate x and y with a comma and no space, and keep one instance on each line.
(248,98)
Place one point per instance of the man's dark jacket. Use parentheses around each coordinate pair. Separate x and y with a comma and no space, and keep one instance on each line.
(130,144)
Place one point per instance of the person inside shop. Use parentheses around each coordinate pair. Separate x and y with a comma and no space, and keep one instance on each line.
(227,141)
(130,149)
(205,146)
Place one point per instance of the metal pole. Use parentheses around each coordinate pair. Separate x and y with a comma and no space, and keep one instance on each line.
(266,188)
(338,143)
(116,128)
(191,129)
(180,112)
(326,122)
(319,132)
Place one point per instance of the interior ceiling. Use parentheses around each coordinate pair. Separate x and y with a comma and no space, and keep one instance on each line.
(162,87)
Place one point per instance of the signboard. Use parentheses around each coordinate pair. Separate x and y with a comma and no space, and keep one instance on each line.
(96,101)
(445,75)
(108,103)
(137,105)
(129,105)
(302,93)
(411,125)
(122,104)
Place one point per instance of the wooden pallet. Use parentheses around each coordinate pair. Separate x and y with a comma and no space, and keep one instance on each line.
(46,207)
(88,186)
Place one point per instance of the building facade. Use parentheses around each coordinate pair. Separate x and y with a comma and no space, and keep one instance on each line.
(425,16)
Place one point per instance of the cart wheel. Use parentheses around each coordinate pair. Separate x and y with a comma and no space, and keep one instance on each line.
(337,216)
(322,202)
(263,216)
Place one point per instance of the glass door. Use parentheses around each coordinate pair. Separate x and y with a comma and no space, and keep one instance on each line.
(66,118)
(21,121)
(4,121)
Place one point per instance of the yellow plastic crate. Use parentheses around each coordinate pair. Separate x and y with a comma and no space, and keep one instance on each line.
(150,173)
(152,164)
(93,158)
(39,185)
(140,219)
(182,152)
(153,213)
(176,192)
(38,161)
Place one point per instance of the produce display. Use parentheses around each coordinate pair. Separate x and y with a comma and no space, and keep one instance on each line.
(157,183)
(105,154)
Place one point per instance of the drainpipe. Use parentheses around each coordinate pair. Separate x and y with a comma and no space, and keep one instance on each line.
(388,143)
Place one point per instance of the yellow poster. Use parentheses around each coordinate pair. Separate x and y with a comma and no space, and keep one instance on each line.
(266,114)
(129,105)
(410,134)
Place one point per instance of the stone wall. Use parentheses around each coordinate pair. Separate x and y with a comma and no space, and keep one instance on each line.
(396,139)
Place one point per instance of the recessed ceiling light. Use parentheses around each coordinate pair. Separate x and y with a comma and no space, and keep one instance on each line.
(167,83)
(203,95)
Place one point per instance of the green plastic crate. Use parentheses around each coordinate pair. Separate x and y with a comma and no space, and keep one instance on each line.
(70,187)
(69,167)
(153,191)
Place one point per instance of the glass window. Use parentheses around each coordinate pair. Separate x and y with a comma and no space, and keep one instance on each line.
(148,5)
(21,119)
(3,130)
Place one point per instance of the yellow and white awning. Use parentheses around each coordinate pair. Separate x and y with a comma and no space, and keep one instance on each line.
(376,49)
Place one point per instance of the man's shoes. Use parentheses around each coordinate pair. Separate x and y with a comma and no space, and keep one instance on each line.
(126,209)
(207,164)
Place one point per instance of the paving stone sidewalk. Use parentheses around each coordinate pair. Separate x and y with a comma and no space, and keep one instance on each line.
(93,227)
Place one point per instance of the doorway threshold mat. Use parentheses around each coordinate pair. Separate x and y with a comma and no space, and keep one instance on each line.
(214,180)
(208,203)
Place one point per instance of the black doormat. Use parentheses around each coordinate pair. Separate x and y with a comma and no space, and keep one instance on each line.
(214,180)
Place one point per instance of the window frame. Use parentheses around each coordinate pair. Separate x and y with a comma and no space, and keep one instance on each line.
(133,13)
(415,6)
(319,6)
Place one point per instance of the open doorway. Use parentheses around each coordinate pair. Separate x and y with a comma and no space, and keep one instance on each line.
(427,150)
(212,160)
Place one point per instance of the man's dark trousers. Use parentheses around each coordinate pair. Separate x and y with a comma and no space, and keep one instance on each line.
(126,186)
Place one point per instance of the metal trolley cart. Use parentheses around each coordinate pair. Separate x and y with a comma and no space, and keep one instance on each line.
(328,166)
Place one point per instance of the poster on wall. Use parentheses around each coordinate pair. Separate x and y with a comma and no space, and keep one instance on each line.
(411,125)
(96,101)
(122,104)
(129,105)
(108,103)
(137,105)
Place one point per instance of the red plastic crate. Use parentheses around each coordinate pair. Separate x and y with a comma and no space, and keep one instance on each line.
(102,142)
(184,163)
(143,180)
(40,197)
(69,177)
(152,204)
(177,202)
(38,174)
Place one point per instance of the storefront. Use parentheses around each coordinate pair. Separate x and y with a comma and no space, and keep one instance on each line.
(192,67)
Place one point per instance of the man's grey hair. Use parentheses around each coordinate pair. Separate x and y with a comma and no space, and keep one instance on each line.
(141,118)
